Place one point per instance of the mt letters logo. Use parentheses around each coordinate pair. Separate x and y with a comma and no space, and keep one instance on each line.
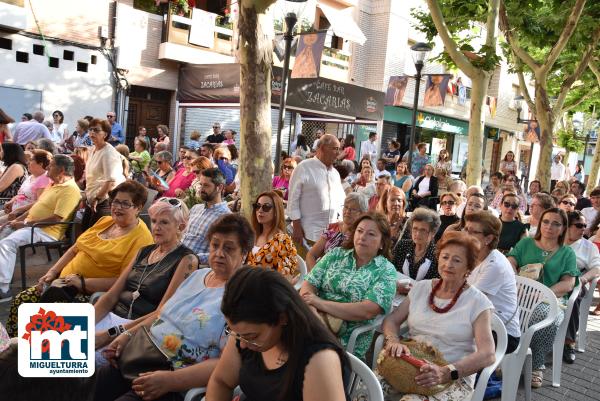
(56,340)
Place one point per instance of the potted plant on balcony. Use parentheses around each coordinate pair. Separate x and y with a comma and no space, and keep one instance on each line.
(178,7)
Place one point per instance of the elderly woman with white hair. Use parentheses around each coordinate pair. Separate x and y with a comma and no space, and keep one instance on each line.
(354,205)
(151,278)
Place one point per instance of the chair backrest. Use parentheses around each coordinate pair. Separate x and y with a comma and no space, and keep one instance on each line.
(530,293)
(302,268)
(370,384)
(149,200)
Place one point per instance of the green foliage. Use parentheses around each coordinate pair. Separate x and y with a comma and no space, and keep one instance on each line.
(464,19)
(566,139)
(192,197)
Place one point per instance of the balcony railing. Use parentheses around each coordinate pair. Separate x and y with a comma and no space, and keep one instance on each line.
(177,28)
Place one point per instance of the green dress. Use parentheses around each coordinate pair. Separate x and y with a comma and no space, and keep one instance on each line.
(337,279)
(563,262)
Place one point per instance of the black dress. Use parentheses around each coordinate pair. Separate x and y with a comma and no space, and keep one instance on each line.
(404,254)
(446,222)
(511,234)
(261,384)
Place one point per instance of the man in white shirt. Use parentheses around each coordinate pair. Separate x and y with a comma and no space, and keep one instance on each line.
(31,130)
(557,171)
(590,213)
(318,134)
(315,194)
(368,148)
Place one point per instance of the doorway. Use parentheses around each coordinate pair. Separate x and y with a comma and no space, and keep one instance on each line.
(148,107)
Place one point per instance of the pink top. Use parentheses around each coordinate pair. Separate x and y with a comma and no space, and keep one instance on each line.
(229,142)
(28,192)
(351,153)
(180,181)
(281,183)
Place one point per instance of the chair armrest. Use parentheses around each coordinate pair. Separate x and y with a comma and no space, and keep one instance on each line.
(47,224)
(365,328)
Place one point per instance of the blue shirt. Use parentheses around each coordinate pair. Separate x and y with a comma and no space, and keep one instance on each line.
(201,218)
(117,133)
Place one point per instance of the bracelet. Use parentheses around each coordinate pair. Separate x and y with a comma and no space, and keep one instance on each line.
(83,289)
(127,333)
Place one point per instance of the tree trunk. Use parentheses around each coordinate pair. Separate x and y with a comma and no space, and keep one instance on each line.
(476,127)
(545,118)
(256,56)
(593,178)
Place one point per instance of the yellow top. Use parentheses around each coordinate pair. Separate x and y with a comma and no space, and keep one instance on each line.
(104,258)
(57,199)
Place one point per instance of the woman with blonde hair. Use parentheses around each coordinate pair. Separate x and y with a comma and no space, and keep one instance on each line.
(274,248)
(393,205)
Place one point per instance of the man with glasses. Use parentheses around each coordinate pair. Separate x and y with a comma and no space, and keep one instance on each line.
(316,195)
(57,203)
(216,136)
(31,130)
(117,136)
(211,182)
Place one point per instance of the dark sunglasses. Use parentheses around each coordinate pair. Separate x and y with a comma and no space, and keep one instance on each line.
(94,129)
(450,203)
(171,201)
(580,226)
(107,116)
(565,202)
(265,207)
(509,205)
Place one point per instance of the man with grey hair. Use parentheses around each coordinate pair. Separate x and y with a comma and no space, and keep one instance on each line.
(47,145)
(57,203)
(31,130)
(315,193)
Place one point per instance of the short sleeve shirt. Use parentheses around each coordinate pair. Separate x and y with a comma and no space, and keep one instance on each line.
(337,279)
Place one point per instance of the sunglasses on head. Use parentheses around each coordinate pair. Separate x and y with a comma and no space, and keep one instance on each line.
(509,205)
(171,201)
(580,226)
(265,207)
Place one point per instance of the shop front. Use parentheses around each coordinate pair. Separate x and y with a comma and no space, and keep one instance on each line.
(438,132)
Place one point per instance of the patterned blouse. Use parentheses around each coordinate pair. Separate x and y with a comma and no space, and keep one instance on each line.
(334,237)
(279,253)
(337,279)
(423,269)
(13,189)
(190,327)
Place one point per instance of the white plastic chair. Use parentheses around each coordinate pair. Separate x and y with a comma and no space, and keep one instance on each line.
(530,294)
(365,328)
(501,344)
(559,340)
(195,394)
(361,372)
(584,311)
(302,268)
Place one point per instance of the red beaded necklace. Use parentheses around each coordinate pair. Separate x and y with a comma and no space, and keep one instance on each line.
(452,302)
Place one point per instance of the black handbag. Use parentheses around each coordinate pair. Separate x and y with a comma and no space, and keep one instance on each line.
(141,355)
(59,291)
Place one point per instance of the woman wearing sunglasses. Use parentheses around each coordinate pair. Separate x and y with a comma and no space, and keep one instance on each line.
(188,328)
(588,263)
(282,181)
(448,203)
(277,349)
(559,274)
(274,248)
(568,203)
(183,178)
(512,229)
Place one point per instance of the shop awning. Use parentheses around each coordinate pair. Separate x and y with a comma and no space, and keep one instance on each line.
(342,24)
(427,120)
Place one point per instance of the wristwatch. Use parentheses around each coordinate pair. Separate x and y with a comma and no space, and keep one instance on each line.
(453,371)
(116,330)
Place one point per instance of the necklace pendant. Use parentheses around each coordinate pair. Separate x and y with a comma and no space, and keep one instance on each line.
(135,295)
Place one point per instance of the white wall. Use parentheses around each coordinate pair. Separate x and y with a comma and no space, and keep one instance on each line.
(75,93)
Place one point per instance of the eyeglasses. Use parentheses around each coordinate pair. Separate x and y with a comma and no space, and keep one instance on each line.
(580,226)
(230,333)
(419,230)
(121,204)
(449,203)
(350,210)
(171,201)
(565,202)
(265,207)
(95,129)
(554,224)
(509,205)
(109,116)
(288,167)
(216,127)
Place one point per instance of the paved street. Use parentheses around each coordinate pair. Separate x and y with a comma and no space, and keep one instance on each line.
(580,381)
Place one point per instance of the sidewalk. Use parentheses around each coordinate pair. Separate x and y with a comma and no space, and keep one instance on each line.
(579,382)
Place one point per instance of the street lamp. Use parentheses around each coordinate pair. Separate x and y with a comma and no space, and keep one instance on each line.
(420,51)
(292,8)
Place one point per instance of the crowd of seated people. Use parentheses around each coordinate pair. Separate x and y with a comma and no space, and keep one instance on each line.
(214,291)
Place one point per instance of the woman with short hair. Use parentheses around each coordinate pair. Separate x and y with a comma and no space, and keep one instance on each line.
(493,274)
(189,328)
(354,283)
(425,189)
(354,205)
(474,203)
(559,274)
(448,204)
(415,257)
(452,316)
(276,348)
(165,171)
